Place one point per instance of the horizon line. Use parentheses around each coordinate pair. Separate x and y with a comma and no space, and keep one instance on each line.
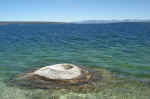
(76,20)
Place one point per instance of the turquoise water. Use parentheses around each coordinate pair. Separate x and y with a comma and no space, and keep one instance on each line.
(122,48)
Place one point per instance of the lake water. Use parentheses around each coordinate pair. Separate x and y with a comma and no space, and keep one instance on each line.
(122,48)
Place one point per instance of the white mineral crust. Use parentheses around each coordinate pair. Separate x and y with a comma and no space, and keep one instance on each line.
(59,71)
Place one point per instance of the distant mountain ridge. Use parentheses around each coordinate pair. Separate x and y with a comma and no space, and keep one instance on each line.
(111,21)
(29,22)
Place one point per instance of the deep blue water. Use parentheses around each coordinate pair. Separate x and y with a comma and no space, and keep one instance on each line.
(120,47)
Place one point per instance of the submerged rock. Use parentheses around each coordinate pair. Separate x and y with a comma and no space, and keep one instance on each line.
(68,76)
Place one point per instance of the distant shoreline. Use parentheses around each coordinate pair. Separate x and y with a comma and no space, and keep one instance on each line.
(29,22)
(82,22)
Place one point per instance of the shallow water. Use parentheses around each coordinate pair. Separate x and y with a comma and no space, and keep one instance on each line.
(122,48)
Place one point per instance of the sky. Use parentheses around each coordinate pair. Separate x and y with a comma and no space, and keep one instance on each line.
(73,10)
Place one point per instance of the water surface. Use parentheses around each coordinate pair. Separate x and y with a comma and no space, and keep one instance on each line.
(122,47)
